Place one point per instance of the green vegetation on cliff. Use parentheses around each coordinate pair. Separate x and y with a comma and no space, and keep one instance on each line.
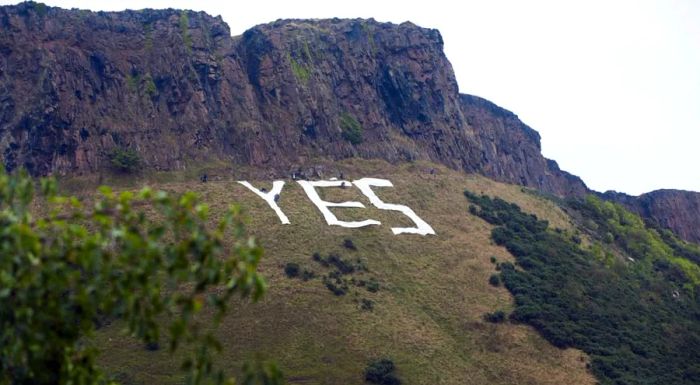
(648,247)
(124,160)
(636,316)
(351,129)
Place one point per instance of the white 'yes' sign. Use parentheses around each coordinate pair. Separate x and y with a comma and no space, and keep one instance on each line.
(364,185)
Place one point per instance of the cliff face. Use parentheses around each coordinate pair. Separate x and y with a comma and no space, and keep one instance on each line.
(76,85)
(176,87)
(511,152)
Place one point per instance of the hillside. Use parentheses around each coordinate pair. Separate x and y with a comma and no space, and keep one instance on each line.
(427,314)
(583,273)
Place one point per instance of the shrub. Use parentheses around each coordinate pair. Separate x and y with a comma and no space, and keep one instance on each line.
(150,87)
(360,265)
(367,304)
(124,160)
(334,288)
(342,273)
(495,317)
(152,346)
(342,265)
(493,260)
(301,72)
(307,275)
(185,30)
(612,312)
(609,238)
(351,129)
(335,274)
(381,372)
(372,285)
(348,244)
(291,269)
(69,268)
(495,280)
(40,8)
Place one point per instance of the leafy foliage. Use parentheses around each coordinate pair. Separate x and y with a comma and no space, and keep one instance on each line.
(615,225)
(351,129)
(124,160)
(291,269)
(372,285)
(344,266)
(366,304)
(344,274)
(496,317)
(381,372)
(337,286)
(185,30)
(638,323)
(349,244)
(66,266)
(132,82)
(40,8)
(300,70)
(150,86)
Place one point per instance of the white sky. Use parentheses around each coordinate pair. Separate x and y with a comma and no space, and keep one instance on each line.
(613,87)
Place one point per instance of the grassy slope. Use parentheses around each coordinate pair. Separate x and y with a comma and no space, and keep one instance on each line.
(427,314)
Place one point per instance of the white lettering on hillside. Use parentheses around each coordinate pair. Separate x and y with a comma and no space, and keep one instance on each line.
(270,197)
(323,206)
(422,227)
(364,185)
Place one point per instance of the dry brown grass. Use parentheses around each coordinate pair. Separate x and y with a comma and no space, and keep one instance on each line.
(428,312)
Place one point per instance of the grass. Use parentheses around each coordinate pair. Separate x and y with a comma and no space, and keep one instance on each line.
(351,128)
(185,31)
(300,70)
(427,316)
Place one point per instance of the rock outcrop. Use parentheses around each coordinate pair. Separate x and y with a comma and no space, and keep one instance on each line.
(511,151)
(177,88)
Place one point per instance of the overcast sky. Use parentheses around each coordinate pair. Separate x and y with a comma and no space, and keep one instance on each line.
(613,86)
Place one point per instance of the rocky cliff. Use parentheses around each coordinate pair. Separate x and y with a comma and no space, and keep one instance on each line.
(511,152)
(177,88)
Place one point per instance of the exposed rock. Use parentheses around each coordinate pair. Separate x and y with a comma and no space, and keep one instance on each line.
(511,151)
(177,88)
